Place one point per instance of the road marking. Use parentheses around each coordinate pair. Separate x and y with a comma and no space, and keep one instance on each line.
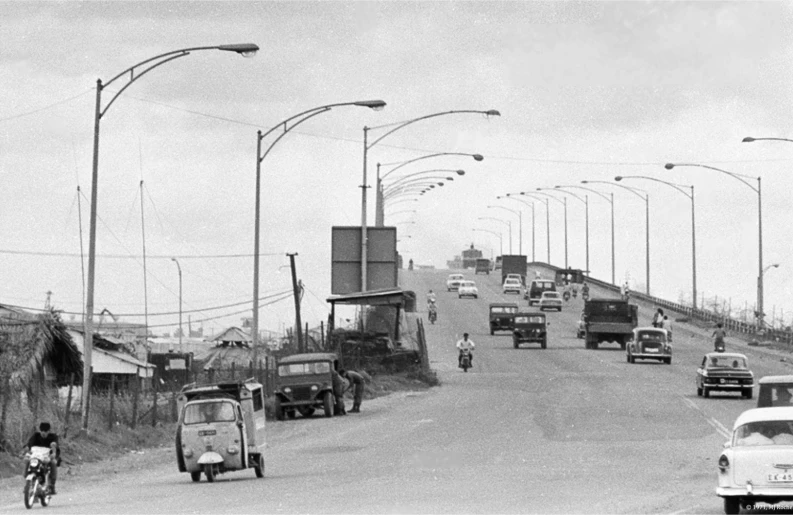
(718,426)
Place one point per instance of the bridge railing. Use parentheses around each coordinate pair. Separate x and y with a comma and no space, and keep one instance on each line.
(705,315)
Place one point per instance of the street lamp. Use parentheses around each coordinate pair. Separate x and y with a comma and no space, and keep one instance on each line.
(585,200)
(545,200)
(410,189)
(245,50)
(526,202)
(509,225)
(500,239)
(520,226)
(564,204)
(646,198)
(679,187)
(610,200)
(416,180)
(759,191)
(424,173)
(181,349)
(366,146)
(285,126)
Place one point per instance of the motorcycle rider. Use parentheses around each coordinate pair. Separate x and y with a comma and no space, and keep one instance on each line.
(433,311)
(44,438)
(718,337)
(430,297)
(585,290)
(465,344)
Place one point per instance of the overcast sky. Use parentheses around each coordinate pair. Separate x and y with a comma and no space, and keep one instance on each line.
(586,91)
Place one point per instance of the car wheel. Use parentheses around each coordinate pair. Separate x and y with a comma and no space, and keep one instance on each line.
(699,391)
(705,392)
(195,476)
(279,411)
(732,505)
(209,472)
(258,469)
(748,393)
(327,404)
(668,360)
(632,360)
(515,343)
(544,343)
(628,357)
(492,332)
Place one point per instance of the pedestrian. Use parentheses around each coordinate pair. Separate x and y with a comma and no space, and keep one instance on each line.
(356,382)
(338,392)
(667,325)
(658,318)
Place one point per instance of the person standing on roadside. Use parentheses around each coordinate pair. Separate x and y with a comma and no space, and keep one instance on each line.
(338,392)
(718,337)
(356,382)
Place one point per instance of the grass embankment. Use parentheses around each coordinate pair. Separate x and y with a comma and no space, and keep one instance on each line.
(101,443)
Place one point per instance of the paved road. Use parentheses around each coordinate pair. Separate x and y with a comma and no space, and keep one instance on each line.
(561,430)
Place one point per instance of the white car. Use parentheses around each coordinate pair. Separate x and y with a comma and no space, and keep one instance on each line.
(467,289)
(512,286)
(453,281)
(756,465)
(550,300)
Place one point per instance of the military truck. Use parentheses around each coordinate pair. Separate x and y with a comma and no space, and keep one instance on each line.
(513,265)
(482,266)
(609,320)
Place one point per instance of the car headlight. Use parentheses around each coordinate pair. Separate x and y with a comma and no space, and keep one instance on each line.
(724,463)
(34,462)
(233,449)
(314,388)
(187,452)
(287,390)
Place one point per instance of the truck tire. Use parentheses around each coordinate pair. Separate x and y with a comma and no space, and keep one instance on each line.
(544,343)
(327,404)
(279,411)
(515,343)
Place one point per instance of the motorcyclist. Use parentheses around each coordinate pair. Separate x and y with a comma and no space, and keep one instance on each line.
(433,310)
(44,438)
(430,297)
(718,337)
(585,290)
(465,344)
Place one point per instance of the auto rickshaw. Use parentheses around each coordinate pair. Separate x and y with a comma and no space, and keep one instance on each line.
(221,429)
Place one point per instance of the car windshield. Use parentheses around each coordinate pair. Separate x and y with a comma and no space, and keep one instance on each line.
(764,432)
(468,284)
(726,362)
(301,369)
(206,412)
(512,282)
(651,336)
(543,285)
(550,295)
(503,309)
(455,277)
(529,320)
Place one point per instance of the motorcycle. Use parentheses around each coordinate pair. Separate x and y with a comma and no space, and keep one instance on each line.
(566,296)
(36,472)
(433,316)
(575,292)
(585,296)
(718,346)
(465,361)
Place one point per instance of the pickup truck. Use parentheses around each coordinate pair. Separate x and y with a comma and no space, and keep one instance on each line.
(609,320)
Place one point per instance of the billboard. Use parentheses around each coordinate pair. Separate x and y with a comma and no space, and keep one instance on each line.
(381,270)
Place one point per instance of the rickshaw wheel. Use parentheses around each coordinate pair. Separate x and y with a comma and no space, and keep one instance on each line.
(259,467)
(195,476)
(209,472)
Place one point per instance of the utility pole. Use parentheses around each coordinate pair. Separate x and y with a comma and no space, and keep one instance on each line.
(296,292)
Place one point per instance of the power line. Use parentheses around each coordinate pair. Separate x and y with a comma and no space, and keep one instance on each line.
(133,256)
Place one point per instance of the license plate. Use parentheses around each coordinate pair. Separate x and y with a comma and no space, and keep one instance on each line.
(207,432)
(781,477)
(730,381)
(651,350)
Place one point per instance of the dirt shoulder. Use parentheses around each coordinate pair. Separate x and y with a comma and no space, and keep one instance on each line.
(102,451)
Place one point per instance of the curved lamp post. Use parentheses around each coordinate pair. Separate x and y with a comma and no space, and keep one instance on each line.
(528,203)
(181,349)
(646,198)
(610,199)
(547,202)
(410,188)
(585,201)
(564,204)
(285,126)
(500,238)
(366,146)
(430,179)
(131,74)
(420,174)
(520,225)
(509,226)
(379,185)
(760,314)
(679,187)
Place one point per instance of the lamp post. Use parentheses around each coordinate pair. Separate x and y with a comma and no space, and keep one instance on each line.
(410,189)
(585,200)
(366,146)
(509,226)
(526,202)
(429,179)
(679,187)
(564,204)
(500,239)
(379,186)
(181,349)
(425,173)
(646,198)
(547,219)
(759,191)
(285,126)
(520,225)
(244,49)
(610,199)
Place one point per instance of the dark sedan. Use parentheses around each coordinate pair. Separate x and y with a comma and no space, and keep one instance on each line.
(724,371)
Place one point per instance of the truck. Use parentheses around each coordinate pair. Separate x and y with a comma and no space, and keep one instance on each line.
(609,320)
(513,265)
(483,266)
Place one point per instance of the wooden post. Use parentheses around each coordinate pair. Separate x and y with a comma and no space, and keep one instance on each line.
(232,371)
(322,334)
(68,406)
(174,414)
(135,395)
(111,415)
(154,405)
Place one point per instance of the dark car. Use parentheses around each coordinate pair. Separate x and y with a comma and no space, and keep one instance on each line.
(725,371)
(535,290)
(502,316)
(775,391)
(530,328)
(304,383)
(649,343)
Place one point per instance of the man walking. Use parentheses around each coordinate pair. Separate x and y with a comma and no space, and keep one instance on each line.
(338,393)
(356,381)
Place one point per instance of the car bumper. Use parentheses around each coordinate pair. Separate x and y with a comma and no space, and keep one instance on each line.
(711,386)
(756,493)
(549,305)
(651,355)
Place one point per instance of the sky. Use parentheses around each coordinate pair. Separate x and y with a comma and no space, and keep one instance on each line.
(586,91)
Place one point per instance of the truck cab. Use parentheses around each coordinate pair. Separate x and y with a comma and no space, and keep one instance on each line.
(609,320)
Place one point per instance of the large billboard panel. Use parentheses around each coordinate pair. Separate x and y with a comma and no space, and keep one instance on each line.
(381,270)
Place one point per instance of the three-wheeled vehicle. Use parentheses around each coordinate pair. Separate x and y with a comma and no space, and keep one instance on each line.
(502,316)
(221,428)
(530,327)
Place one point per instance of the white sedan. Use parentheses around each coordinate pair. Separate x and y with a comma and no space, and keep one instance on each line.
(550,300)
(453,281)
(512,286)
(467,289)
(756,465)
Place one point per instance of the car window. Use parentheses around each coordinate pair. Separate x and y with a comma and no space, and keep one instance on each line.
(764,432)
(296,369)
(468,284)
(550,295)
(206,412)
(650,337)
(726,362)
